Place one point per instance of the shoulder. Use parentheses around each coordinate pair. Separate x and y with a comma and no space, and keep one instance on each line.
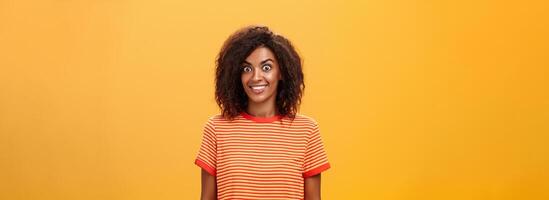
(212,119)
(305,120)
(217,119)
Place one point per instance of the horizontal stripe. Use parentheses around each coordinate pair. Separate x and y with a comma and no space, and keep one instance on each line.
(261,159)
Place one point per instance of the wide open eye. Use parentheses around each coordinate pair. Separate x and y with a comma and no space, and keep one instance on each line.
(266,67)
(246,69)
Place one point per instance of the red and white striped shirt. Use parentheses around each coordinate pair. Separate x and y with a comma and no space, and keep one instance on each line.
(261,158)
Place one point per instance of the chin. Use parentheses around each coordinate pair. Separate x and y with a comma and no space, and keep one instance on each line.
(258,99)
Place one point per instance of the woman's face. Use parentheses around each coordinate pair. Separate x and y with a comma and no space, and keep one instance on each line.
(260,76)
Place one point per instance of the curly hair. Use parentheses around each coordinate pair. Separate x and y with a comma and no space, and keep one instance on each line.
(229,92)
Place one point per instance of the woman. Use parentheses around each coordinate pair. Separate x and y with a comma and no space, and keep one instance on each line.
(259,147)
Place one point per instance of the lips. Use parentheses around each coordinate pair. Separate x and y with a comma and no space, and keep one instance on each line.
(257,89)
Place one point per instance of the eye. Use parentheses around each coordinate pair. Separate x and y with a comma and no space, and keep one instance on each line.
(247,69)
(266,67)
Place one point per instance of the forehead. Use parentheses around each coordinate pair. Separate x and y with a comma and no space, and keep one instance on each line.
(260,54)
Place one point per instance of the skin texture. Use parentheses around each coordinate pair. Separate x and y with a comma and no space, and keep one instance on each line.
(312,187)
(209,186)
(260,68)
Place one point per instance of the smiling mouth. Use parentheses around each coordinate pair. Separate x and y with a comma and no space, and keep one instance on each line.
(258,88)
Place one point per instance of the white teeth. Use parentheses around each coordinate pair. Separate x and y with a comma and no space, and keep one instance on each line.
(258,87)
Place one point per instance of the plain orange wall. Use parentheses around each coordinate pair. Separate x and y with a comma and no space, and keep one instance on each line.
(415,99)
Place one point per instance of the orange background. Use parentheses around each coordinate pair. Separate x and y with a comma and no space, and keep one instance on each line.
(415,99)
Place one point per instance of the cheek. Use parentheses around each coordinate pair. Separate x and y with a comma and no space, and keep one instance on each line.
(243,79)
(274,80)
(274,76)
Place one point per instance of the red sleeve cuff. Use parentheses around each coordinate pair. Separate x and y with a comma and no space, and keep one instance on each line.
(205,166)
(317,170)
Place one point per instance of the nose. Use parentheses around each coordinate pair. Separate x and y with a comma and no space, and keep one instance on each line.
(257,76)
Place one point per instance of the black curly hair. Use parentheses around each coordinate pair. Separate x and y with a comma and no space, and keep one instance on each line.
(229,92)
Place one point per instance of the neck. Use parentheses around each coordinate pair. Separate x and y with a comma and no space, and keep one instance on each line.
(263,109)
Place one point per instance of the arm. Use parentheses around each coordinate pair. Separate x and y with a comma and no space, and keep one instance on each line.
(209,186)
(312,187)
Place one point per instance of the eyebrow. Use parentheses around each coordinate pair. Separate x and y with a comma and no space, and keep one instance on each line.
(262,62)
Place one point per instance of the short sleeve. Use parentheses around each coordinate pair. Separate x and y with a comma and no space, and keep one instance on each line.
(315,160)
(207,155)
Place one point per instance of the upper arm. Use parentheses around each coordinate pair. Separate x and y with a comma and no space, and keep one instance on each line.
(209,186)
(315,162)
(312,187)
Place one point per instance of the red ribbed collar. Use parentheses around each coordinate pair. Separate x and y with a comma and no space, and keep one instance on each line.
(260,119)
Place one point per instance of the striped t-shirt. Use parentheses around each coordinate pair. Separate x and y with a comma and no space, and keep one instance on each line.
(261,158)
